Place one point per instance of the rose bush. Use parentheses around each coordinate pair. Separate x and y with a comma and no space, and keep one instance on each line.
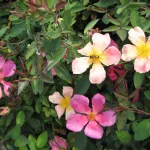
(74,75)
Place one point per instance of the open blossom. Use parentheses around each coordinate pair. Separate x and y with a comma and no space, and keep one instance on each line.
(97,54)
(6,70)
(93,118)
(140,51)
(58,143)
(63,101)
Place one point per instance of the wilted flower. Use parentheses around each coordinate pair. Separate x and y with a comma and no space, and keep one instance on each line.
(63,101)
(97,54)
(58,143)
(115,71)
(4,110)
(6,70)
(92,117)
(140,51)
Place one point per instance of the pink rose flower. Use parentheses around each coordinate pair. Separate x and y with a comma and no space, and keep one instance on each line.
(140,51)
(93,118)
(6,70)
(97,54)
(58,143)
(115,71)
(63,101)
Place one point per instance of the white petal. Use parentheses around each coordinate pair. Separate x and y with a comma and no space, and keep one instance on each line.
(60,110)
(55,98)
(69,111)
(67,91)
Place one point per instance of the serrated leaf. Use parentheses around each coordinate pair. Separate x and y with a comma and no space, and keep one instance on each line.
(67,19)
(42,139)
(138,79)
(20,119)
(122,34)
(147,94)
(111,29)
(135,19)
(21,141)
(21,86)
(3,31)
(32,142)
(104,3)
(90,25)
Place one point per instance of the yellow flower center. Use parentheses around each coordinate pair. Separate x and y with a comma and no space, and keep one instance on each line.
(91,116)
(144,50)
(65,102)
(96,56)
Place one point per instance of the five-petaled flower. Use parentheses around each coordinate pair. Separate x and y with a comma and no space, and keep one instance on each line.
(140,50)
(6,70)
(97,54)
(92,117)
(58,143)
(63,102)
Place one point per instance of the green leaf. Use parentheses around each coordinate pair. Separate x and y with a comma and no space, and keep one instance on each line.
(34,85)
(67,19)
(57,57)
(82,85)
(90,25)
(16,132)
(63,73)
(20,119)
(21,141)
(23,148)
(138,79)
(122,34)
(21,86)
(142,130)
(17,29)
(32,142)
(111,29)
(121,122)
(135,19)
(3,31)
(124,2)
(124,137)
(130,115)
(42,139)
(104,3)
(38,106)
(80,141)
(147,94)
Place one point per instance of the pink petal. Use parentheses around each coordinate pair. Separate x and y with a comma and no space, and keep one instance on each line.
(6,85)
(107,118)
(101,41)
(85,51)
(112,56)
(60,110)
(141,65)
(2,61)
(55,98)
(8,68)
(113,43)
(1,93)
(80,104)
(53,145)
(80,65)
(69,112)
(76,122)
(97,74)
(129,52)
(93,130)
(53,71)
(67,91)
(97,102)
(61,141)
(137,36)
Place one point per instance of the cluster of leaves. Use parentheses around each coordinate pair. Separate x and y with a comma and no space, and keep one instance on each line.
(59,28)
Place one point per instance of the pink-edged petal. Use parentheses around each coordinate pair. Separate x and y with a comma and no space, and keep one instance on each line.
(76,122)
(97,74)
(107,118)
(67,91)
(60,110)
(1,93)
(2,61)
(80,65)
(137,36)
(80,104)
(129,52)
(93,130)
(142,65)
(6,85)
(56,98)
(98,101)
(69,112)
(112,56)
(61,141)
(113,43)
(85,51)
(8,68)
(148,46)
(101,41)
